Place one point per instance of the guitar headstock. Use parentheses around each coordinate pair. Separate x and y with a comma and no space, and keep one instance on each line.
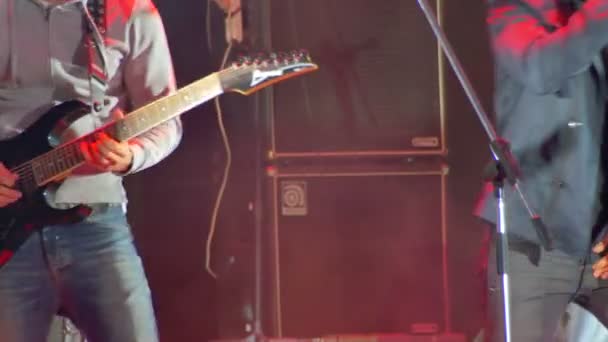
(252,73)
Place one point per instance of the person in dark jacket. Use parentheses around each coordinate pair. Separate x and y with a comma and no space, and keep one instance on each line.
(550,104)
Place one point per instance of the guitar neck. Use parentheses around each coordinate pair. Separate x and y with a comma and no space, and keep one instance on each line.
(164,109)
(59,162)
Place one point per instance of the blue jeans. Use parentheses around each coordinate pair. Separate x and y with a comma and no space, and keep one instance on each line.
(90,270)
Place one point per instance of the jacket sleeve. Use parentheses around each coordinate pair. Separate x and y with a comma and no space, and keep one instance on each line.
(148,75)
(541,59)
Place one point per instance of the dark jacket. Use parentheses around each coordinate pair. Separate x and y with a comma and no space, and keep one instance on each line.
(550,93)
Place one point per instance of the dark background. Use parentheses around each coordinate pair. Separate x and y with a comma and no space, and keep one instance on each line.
(171,204)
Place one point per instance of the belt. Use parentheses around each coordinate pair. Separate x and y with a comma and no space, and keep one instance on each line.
(95,207)
(104,207)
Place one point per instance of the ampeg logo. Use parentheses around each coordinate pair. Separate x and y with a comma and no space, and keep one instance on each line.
(294,198)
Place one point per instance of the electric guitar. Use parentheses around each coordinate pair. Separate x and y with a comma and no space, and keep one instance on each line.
(41,159)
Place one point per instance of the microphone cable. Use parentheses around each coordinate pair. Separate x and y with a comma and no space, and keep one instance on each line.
(225,141)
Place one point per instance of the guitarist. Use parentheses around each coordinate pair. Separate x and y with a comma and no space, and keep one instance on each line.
(90,271)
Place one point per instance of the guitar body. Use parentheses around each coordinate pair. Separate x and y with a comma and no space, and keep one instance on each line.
(31,212)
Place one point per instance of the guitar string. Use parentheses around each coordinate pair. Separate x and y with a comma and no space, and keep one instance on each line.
(27,169)
(48,162)
(28,164)
(49,154)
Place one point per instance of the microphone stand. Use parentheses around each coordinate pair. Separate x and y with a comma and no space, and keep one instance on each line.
(506,170)
(263,102)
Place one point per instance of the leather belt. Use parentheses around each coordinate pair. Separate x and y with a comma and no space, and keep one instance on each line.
(103,207)
(95,207)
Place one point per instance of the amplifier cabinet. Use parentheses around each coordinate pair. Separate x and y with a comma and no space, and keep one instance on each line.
(359,250)
(380,86)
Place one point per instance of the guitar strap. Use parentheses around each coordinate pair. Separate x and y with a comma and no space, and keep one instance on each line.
(95,13)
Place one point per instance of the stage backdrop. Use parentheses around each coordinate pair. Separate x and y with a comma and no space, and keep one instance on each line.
(356,109)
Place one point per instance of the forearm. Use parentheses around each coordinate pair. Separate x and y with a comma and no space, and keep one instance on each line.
(543,60)
(155,145)
(149,76)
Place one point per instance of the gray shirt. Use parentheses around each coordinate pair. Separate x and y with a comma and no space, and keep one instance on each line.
(43,61)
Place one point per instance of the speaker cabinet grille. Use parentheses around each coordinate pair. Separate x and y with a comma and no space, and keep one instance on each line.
(379,89)
(360,252)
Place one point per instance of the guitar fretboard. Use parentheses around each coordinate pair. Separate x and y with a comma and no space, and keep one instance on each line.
(59,161)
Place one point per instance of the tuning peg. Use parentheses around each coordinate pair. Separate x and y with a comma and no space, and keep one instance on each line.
(279,58)
(300,55)
(247,60)
(260,58)
(239,61)
(289,57)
